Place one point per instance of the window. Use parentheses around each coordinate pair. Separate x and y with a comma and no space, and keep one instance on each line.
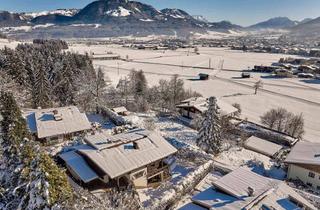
(311,174)
(318,188)
(309,184)
(138,174)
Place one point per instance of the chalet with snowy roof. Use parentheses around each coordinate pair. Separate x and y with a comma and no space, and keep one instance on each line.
(304,163)
(244,189)
(138,157)
(192,107)
(57,124)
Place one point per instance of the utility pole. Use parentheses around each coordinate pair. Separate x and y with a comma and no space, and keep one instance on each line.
(210,63)
(118,68)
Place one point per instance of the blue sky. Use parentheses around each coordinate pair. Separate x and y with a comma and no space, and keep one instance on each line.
(244,12)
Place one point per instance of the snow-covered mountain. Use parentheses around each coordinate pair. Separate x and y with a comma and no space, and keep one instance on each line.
(64,12)
(200,18)
(117,17)
(275,23)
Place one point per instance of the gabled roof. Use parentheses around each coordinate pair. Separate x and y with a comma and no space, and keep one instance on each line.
(240,180)
(119,109)
(79,166)
(45,123)
(116,155)
(305,153)
(201,104)
(231,193)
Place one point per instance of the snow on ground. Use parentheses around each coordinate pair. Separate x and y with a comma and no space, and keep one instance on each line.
(120,12)
(17,28)
(238,156)
(87,25)
(8,43)
(96,118)
(47,25)
(296,95)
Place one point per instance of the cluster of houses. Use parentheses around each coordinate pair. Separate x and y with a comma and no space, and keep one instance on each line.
(144,159)
(289,67)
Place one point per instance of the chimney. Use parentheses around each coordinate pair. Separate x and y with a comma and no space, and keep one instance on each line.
(250,191)
(135,145)
(56,115)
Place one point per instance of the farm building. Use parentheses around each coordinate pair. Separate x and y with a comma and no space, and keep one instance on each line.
(304,163)
(203,76)
(57,124)
(262,146)
(192,107)
(244,189)
(106,57)
(138,157)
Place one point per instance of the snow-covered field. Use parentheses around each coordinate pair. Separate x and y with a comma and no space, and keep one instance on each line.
(7,43)
(296,95)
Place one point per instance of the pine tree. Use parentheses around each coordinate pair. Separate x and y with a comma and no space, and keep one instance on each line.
(209,138)
(13,125)
(42,87)
(99,88)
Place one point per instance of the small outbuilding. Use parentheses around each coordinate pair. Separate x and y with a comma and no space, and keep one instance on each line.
(203,76)
(121,111)
(262,146)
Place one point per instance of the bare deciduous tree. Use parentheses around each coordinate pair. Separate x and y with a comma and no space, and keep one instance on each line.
(283,121)
(258,85)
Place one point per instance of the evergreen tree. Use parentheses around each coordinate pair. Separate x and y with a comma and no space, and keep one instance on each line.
(42,88)
(209,138)
(13,125)
(99,88)
(138,83)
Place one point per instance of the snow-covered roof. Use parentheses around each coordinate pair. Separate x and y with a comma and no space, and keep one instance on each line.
(120,109)
(231,192)
(305,153)
(237,183)
(116,155)
(45,124)
(79,166)
(201,104)
(262,146)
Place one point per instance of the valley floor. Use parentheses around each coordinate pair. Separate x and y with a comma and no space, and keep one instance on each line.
(296,95)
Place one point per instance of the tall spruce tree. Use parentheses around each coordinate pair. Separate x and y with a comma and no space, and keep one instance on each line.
(14,127)
(209,138)
(42,89)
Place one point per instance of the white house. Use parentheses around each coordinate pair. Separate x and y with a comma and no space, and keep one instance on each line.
(304,163)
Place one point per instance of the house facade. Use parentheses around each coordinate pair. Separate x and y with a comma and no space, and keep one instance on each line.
(57,124)
(140,158)
(193,107)
(304,164)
